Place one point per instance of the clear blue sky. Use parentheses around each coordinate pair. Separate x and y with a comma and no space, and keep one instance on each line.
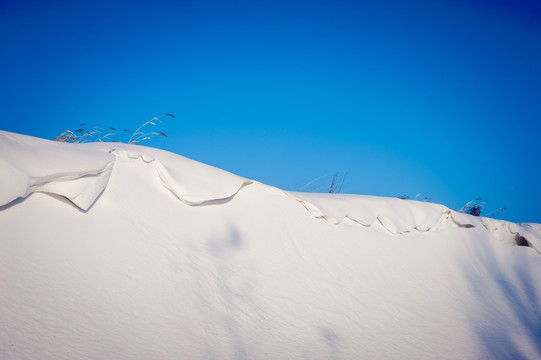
(441,98)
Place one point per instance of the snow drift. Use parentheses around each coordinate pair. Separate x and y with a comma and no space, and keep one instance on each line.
(110,250)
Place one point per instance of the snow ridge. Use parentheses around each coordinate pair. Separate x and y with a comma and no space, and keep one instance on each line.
(419,216)
(81,172)
(188,194)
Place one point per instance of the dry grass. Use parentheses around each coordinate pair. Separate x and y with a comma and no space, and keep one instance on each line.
(98,134)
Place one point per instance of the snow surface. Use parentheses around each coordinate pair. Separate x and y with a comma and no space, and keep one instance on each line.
(116,251)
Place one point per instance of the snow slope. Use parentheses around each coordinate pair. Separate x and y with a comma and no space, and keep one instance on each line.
(115,251)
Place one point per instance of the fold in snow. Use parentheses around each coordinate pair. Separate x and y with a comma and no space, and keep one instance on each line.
(30,165)
(81,172)
(400,216)
(396,215)
(191,182)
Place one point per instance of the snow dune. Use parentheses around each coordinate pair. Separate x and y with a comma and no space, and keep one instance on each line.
(119,251)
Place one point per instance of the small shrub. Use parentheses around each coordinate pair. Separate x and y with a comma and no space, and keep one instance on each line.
(316,185)
(333,187)
(474,207)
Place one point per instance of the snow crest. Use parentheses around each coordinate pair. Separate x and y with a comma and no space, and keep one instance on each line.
(400,216)
(81,172)
(191,187)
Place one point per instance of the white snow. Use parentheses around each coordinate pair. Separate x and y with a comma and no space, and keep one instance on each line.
(115,251)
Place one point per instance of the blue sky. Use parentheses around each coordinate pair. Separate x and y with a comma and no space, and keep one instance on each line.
(440,98)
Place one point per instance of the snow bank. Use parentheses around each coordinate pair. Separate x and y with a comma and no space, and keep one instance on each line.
(119,251)
(80,173)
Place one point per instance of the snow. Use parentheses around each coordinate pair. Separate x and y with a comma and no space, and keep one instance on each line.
(110,250)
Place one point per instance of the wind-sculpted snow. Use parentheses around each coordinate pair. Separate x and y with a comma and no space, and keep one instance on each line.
(30,165)
(80,173)
(173,259)
(189,181)
(516,234)
(395,215)
(400,216)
